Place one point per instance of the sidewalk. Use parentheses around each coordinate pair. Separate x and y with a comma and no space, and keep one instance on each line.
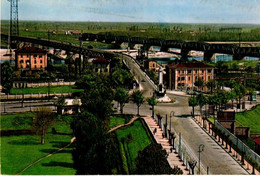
(173,158)
(225,145)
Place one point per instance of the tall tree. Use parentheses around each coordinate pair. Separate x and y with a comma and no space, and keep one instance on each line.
(6,76)
(138,99)
(211,84)
(199,83)
(193,102)
(153,160)
(202,100)
(152,102)
(121,97)
(60,103)
(44,117)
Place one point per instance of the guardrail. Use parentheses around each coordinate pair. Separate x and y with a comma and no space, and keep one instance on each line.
(238,143)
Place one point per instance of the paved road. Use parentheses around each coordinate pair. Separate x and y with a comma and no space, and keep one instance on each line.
(146,85)
(29,105)
(213,156)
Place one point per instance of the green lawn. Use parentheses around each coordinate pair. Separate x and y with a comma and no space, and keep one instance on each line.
(115,121)
(250,119)
(129,150)
(17,152)
(8,122)
(44,90)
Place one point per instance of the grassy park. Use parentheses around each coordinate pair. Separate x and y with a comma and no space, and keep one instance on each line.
(250,119)
(44,90)
(131,140)
(17,152)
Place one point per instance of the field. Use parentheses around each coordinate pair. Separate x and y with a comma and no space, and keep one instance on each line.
(169,31)
(250,119)
(44,90)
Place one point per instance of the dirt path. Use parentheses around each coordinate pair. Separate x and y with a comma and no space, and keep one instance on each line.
(72,140)
(120,126)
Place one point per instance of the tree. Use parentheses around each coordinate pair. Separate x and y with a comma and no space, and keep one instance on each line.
(44,117)
(199,83)
(138,99)
(121,97)
(6,76)
(211,84)
(95,151)
(232,96)
(60,103)
(240,91)
(202,100)
(153,160)
(193,102)
(121,78)
(152,102)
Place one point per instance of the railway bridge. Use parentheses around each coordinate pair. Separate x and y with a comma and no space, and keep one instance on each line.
(209,50)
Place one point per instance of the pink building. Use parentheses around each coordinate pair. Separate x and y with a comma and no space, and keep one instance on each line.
(30,58)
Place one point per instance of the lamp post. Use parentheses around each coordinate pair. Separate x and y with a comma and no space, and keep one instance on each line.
(171,115)
(201,148)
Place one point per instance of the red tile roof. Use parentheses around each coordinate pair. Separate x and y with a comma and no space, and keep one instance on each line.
(100,60)
(190,65)
(30,50)
(257,140)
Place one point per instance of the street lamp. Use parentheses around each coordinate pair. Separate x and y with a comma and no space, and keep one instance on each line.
(201,148)
(171,115)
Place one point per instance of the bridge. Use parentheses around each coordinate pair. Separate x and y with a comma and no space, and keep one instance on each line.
(70,48)
(209,50)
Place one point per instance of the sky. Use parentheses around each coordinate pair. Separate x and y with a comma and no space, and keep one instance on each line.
(162,11)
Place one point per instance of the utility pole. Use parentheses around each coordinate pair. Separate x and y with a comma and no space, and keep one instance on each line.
(201,148)
(14,23)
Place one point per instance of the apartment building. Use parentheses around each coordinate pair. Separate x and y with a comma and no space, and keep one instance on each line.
(30,58)
(184,75)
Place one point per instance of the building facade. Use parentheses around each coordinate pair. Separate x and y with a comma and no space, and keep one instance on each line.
(149,64)
(184,75)
(101,65)
(31,58)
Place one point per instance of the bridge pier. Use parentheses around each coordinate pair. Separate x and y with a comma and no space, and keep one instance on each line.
(184,54)
(208,56)
(164,49)
(238,56)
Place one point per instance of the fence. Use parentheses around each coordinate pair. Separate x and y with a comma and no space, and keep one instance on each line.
(42,84)
(185,152)
(238,143)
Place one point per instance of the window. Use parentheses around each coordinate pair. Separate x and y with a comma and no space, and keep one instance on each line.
(189,71)
(179,71)
(41,61)
(196,71)
(196,78)
(209,78)
(35,61)
(41,66)
(35,55)
(21,61)
(202,77)
(40,56)
(21,66)
(202,71)
(182,78)
(209,71)
(35,66)
(179,78)
(189,78)
(21,56)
